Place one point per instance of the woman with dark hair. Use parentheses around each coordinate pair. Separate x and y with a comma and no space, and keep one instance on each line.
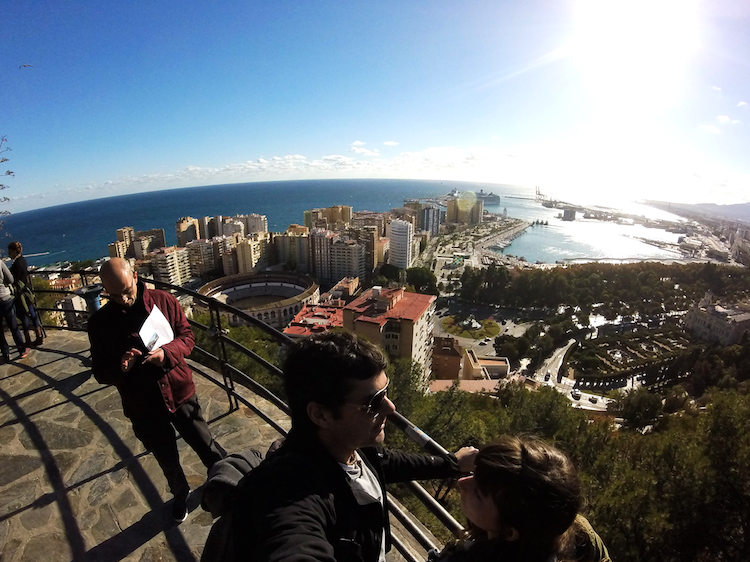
(24,299)
(522,503)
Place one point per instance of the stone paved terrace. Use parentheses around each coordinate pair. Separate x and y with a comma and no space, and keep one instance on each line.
(75,483)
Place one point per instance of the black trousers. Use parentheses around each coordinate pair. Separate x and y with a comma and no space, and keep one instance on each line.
(156,432)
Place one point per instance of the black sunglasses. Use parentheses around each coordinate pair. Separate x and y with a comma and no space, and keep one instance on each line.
(373,407)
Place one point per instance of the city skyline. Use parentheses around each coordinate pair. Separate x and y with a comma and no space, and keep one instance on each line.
(588,100)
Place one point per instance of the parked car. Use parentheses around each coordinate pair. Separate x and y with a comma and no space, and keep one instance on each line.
(593,399)
(547,376)
(575,394)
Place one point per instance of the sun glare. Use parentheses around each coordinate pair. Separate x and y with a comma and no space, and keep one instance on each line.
(625,46)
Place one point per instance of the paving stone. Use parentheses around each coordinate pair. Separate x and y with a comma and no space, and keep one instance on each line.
(35,518)
(118,476)
(73,410)
(106,526)
(8,549)
(90,465)
(87,518)
(99,490)
(7,434)
(157,553)
(50,547)
(14,467)
(125,500)
(69,418)
(58,436)
(66,460)
(4,529)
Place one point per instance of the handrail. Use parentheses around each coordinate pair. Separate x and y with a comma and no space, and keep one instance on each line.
(233,375)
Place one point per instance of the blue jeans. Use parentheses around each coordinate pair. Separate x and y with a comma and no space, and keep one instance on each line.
(8,312)
(29,320)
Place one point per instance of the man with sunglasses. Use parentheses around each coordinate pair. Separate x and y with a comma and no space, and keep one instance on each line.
(156,386)
(321,495)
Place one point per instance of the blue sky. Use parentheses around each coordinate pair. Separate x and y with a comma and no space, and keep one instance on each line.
(589,99)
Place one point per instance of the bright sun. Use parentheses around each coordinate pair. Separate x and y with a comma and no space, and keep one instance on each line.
(631,46)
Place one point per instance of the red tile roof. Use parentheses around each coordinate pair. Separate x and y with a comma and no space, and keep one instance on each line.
(401,306)
(315,319)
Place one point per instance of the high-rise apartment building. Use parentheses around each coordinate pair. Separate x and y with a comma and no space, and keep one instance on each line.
(293,248)
(347,259)
(171,265)
(202,258)
(429,219)
(338,216)
(156,237)
(229,262)
(400,322)
(369,218)
(320,253)
(118,249)
(401,237)
(252,253)
(233,226)
(465,210)
(186,229)
(215,226)
(254,223)
(203,228)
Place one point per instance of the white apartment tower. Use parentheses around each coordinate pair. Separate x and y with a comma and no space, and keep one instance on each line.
(171,265)
(401,237)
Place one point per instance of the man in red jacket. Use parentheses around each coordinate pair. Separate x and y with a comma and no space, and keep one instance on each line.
(156,387)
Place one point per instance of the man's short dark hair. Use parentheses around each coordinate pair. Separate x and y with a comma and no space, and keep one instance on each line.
(321,369)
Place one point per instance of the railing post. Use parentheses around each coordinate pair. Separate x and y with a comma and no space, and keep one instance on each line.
(221,353)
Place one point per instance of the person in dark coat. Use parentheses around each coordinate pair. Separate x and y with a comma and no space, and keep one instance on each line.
(156,387)
(321,496)
(25,310)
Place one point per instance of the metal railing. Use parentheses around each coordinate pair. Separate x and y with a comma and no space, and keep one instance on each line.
(219,359)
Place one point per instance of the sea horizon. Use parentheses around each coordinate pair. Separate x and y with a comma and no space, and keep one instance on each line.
(82,230)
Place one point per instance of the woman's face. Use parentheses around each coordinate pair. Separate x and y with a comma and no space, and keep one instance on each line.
(478,508)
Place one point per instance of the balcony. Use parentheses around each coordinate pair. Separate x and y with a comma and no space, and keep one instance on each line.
(75,483)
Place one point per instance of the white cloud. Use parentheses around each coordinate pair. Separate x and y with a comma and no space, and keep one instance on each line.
(710,128)
(741,103)
(716,89)
(364,151)
(358,143)
(390,143)
(723,118)
(735,121)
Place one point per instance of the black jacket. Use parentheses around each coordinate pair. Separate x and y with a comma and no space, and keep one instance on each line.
(298,504)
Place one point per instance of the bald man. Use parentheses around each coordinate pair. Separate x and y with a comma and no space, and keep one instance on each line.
(156,387)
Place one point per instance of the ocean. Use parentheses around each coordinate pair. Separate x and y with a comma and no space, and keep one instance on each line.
(82,230)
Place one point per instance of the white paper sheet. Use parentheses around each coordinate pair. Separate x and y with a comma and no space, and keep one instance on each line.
(156,330)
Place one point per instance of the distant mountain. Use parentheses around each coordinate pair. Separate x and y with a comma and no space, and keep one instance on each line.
(740,211)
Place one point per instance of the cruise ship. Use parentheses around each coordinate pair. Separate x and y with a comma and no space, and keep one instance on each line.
(488,198)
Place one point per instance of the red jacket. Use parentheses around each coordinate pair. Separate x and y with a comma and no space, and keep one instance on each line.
(113,330)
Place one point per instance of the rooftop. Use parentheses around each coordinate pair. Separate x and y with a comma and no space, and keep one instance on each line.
(380,305)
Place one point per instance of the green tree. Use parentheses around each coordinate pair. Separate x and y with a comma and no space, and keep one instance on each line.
(423,280)
(640,408)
